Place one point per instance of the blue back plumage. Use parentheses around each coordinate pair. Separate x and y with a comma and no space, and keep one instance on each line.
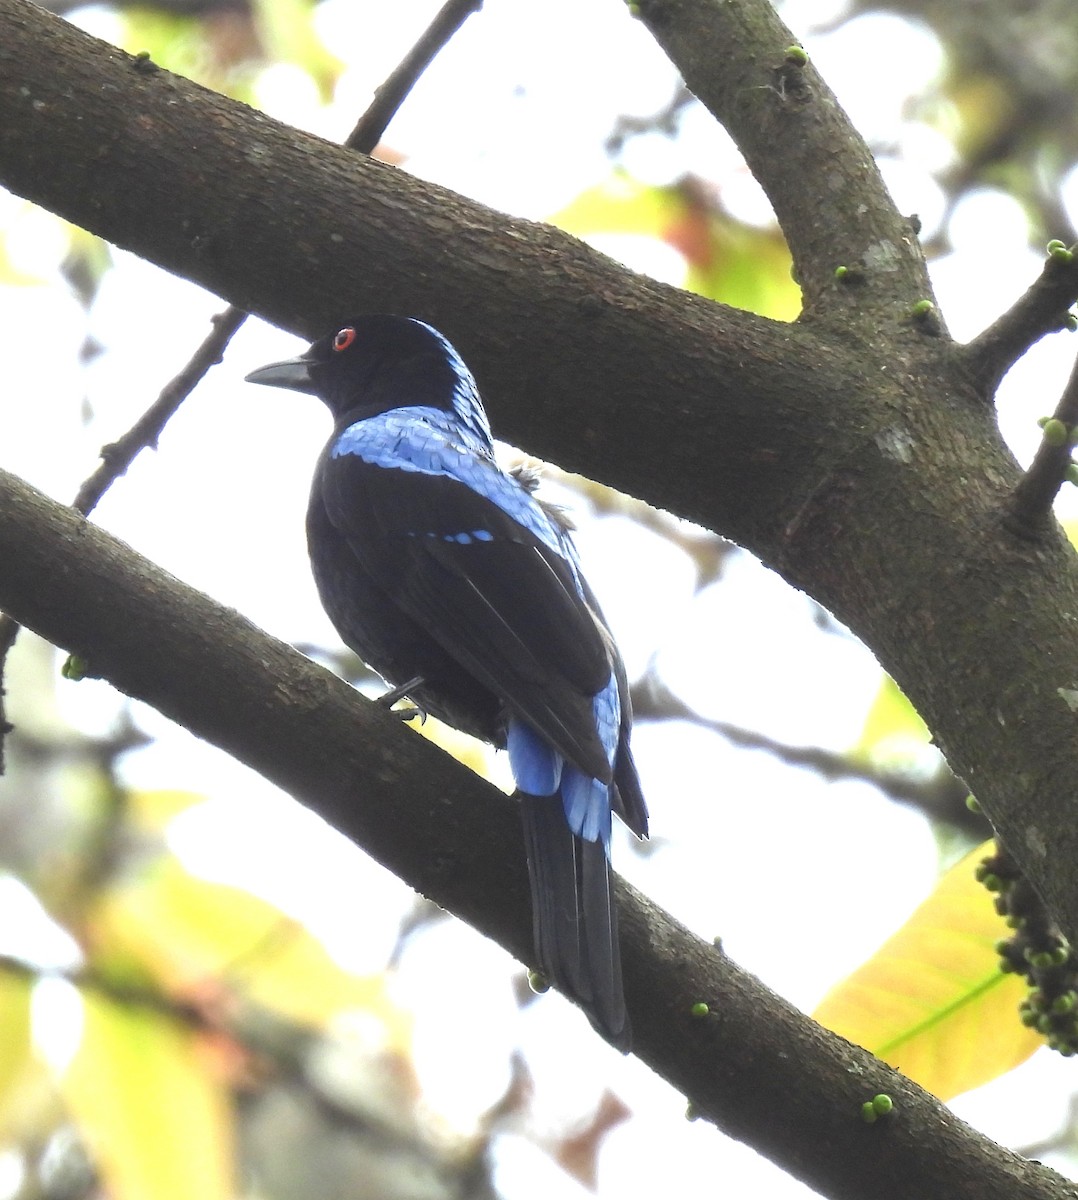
(432,441)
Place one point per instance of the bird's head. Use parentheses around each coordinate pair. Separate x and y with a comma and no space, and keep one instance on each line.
(375,363)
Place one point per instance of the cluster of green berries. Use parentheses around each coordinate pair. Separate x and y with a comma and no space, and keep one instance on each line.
(1056,433)
(879,1106)
(1036,951)
(1059,252)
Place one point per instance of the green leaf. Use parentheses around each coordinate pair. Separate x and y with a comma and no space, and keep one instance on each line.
(932,1000)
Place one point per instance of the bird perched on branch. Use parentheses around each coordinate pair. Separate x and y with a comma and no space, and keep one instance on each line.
(453,581)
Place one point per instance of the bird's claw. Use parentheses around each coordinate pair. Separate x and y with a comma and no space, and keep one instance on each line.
(399,693)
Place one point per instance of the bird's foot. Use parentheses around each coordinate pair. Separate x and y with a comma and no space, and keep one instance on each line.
(399,693)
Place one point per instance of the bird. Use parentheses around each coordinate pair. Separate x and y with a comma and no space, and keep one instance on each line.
(463,590)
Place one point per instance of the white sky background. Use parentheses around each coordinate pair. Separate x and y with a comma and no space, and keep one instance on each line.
(515,113)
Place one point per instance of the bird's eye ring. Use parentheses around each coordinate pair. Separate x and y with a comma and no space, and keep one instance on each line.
(343,338)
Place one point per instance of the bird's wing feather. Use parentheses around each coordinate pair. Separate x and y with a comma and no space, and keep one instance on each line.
(468,553)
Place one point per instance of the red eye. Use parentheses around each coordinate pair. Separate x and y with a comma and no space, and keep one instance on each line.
(343,338)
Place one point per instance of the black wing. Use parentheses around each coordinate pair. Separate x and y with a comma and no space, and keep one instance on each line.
(500,601)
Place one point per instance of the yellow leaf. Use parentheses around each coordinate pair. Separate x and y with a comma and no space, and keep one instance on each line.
(153,811)
(892,728)
(156,1121)
(15,1045)
(620,204)
(28,1101)
(742,266)
(932,1000)
(747,268)
(188,935)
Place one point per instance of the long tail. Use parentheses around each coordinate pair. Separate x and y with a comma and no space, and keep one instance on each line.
(574,916)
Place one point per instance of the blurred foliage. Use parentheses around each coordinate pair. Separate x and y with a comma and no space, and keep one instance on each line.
(1008,99)
(740,265)
(228,48)
(155,1116)
(197,1015)
(893,731)
(932,1000)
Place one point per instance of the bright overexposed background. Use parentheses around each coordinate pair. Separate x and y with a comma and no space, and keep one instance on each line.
(517,113)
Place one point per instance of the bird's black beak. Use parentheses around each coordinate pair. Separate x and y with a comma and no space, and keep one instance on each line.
(294,373)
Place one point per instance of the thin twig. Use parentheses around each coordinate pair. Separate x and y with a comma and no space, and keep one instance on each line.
(941,797)
(1029,512)
(145,433)
(117,456)
(392,93)
(1040,311)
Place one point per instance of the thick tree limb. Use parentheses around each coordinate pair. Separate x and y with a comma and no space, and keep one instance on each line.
(754,1065)
(307,233)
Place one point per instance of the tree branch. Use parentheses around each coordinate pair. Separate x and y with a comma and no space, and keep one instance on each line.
(307,233)
(1039,311)
(1030,513)
(755,1066)
(119,455)
(816,169)
(394,91)
(940,797)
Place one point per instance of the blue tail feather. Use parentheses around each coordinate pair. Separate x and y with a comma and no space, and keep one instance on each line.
(586,802)
(536,765)
(574,916)
(567,826)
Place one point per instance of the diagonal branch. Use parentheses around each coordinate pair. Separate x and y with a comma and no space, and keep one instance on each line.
(1030,509)
(755,1066)
(118,456)
(1041,310)
(941,797)
(394,91)
(742,62)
